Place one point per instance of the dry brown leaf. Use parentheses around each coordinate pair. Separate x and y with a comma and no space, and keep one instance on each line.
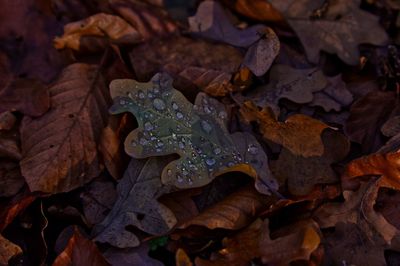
(388,204)
(302,174)
(59,148)
(233,212)
(9,145)
(7,250)
(297,243)
(210,69)
(358,208)
(182,259)
(391,127)
(299,133)
(11,180)
(110,27)
(386,165)
(131,256)
(80,251)
(255,9)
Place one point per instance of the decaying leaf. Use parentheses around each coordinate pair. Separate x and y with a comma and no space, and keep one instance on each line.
(358,208)
(212,22)
(364,129)
(59,148)
(302,174)
(137,205)
(255,242)
(349,245)
(233,212)
(80,251)
(28,96)
(334,96)
(297,85)
(169,123)
(210,69)
(110,27)
(7,250)
(339,27)
(300,134)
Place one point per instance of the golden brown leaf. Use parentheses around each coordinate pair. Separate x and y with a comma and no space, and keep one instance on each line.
(111,27)
(80,251)
(60,148)
(7,250)
(182,259)
(298,242)
(299,133)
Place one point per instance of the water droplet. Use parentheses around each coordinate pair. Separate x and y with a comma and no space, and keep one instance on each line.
(181,145)
(169,172)
(210,161)
(206,126)
(122,102)
(207,109)
(143,141)
(222,114)
(230,164)
(148,126)
(150,95)
(179,115)
(159,104)
(184,171)
(217,151)
(195,107)
(130,95)
(141,95)
(133,143)
(174,136)
(190,181)
(252,149)
(175,106)
(179,178)
(156,90)
(160,143)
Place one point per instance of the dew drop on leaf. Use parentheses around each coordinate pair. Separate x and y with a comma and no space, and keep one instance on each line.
(159,104)
(206,126)
(148,126)
(175,106)
(252,149)
(210,161)
(179,115)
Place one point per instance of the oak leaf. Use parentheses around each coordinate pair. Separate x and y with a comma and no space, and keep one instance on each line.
(60,148)
(111,27)
(339,27)
(300,134)
(169,123)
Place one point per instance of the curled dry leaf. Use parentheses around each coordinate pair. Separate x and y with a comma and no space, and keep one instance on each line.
(300,134)
(358,208)
(59,148)
(302,174)
(336,27)
(80,251)
(362,128)
(211,21)
(297,85)
(110,27)
(7,250)
(334,96)
(28,96)
(233,212)
(169,123)
(137,205)
(255,242)
(210,69)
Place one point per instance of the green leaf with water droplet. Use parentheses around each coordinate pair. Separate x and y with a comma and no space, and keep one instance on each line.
(170,124)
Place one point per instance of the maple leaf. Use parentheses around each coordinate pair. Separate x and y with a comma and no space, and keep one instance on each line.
(340,28)
(59,148)
(168,124)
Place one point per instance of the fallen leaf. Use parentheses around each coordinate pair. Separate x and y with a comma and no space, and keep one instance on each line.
(386,165)
(255,242)
(212,22)
(137,205)
(349,245)
(110,27)
(300,134)
(233,212)
(364,129)
(255,9)
(210,69)
(388,204)
(391,127)
(11,180)
(59,148)
(302,174)
(297,85)
(197,133)
(7,250)
(97,201)
(9,145)
(131,256)
(334,97)
(182,259)
(358,208)
(80,251)
(339,27)
(28,96)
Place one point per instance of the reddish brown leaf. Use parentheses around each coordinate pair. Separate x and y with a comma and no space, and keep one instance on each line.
(59,148)
(7,250)
(255,9)
(80,251)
